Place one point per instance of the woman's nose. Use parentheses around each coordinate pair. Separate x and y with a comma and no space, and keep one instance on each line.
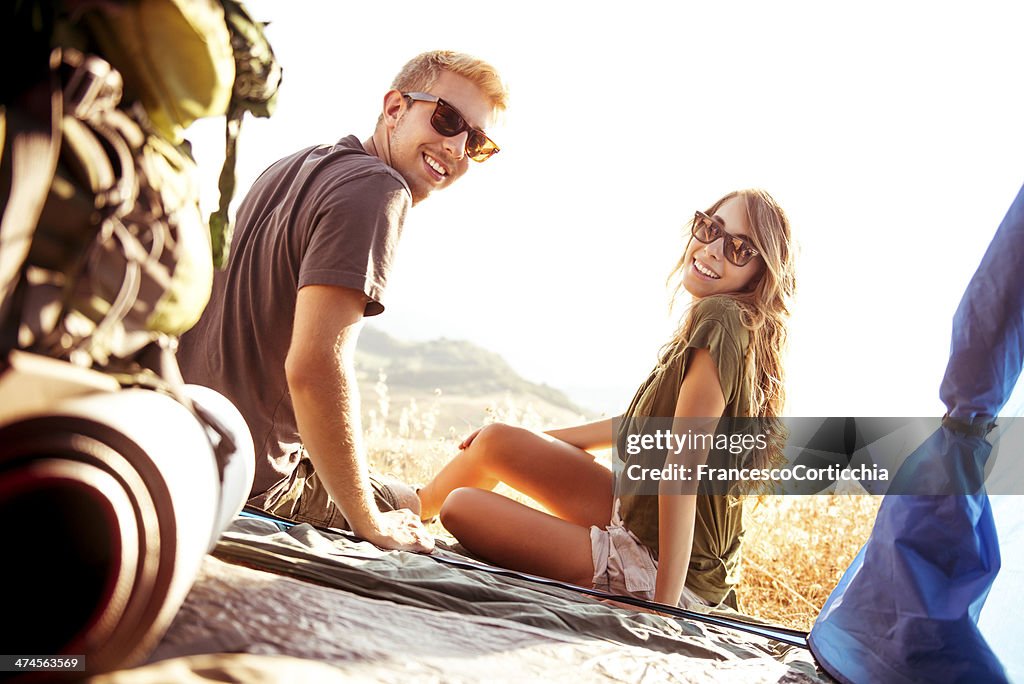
(715,248)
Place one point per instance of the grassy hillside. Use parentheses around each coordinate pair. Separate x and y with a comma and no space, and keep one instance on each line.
(461,384)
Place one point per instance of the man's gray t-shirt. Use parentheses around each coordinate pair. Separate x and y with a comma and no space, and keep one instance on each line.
(328,215)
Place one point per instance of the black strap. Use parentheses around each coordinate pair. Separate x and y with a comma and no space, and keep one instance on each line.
(29,150)
(257,79)
(974,427)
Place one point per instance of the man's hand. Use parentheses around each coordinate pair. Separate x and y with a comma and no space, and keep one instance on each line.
(399,530)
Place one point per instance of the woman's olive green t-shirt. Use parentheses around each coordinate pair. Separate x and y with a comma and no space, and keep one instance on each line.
(718,528)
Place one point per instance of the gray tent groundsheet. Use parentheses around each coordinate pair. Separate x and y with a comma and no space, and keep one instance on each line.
(326,606)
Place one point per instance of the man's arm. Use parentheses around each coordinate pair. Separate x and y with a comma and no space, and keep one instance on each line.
(321,378)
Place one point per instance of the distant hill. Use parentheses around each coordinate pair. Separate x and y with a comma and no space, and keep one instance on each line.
(470,380)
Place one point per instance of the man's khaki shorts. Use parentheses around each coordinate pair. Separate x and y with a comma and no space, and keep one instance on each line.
(304,498)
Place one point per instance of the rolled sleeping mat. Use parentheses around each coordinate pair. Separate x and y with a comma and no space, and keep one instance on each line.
(240,470)
(112,499)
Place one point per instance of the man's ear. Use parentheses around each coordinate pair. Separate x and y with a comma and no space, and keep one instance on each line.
(394,106)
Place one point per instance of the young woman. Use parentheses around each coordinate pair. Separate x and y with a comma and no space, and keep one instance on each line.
(724,360)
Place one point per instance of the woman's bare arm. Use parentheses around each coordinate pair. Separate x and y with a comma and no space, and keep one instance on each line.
(700,396)
(596,435)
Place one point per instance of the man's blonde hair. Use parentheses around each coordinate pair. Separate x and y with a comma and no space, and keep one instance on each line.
(422,71)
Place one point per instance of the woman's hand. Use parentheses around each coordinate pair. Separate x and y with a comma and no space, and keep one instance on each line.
(464,444)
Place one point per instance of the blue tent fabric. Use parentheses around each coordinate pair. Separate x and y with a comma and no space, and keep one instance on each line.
(907,608)
(987,350)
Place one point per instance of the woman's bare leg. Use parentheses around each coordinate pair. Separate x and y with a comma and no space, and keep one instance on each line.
(563,478)
(515,536)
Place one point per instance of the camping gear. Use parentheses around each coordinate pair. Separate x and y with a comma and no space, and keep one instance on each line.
(382,615)
(105,251)
(126,476)
(907,608)
(119,258)
(257,79)
(785,635)
(120,496)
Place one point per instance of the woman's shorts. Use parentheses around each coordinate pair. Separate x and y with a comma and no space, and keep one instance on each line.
(624,566)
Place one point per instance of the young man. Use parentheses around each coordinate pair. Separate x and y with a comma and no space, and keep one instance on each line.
(310,258)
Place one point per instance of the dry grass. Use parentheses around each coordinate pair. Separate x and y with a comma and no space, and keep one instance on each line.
(796,547)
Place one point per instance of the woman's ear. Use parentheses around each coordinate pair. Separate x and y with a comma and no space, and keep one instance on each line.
(394,106)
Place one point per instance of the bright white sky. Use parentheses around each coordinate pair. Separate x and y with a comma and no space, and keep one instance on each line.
(890,132)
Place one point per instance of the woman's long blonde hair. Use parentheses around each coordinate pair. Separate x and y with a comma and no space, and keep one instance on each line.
(764,310)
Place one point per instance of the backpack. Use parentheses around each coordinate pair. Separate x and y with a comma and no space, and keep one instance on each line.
(104,251)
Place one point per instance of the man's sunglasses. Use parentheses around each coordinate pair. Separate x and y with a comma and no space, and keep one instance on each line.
(447,121)
(738,250)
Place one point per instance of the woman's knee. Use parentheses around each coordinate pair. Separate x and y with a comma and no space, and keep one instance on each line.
(459,507)
(496,439)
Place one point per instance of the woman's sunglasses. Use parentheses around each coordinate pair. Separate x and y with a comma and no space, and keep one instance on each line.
(447,121)
(738,250)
